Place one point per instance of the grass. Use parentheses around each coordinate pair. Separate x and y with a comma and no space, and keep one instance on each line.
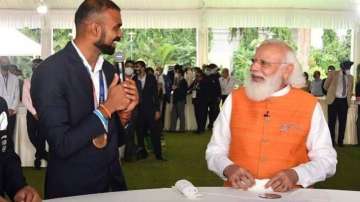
(186,160)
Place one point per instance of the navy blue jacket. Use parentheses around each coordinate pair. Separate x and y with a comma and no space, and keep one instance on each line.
(62,93)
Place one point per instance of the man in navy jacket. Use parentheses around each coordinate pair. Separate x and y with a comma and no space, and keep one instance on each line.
(82,108)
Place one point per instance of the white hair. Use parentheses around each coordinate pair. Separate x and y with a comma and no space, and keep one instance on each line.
(296,79)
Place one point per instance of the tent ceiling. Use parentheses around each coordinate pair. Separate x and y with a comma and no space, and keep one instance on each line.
(344,5)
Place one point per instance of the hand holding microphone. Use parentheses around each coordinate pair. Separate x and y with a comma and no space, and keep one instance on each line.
(117,97)
(129,87)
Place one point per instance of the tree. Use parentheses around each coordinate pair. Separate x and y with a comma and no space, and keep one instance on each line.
(24,62)
(333,52)
(159,46)
(60,38)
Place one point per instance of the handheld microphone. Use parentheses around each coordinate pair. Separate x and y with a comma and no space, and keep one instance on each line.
(119,59)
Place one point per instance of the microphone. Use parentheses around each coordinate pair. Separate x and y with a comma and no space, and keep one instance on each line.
(119,59)
(267,115)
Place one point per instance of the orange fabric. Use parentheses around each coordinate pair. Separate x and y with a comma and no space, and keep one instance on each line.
(265,145)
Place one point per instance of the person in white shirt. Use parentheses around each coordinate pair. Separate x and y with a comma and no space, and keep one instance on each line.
(271,130)
(227,84)
(32,120)
(9,90)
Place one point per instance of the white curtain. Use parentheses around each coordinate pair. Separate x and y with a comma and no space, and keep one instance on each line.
(294,18)
(196,18)
(10,18)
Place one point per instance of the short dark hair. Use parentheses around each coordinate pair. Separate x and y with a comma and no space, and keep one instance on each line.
(306,75)
(37,61)
(212,66)
(129,62)
(141,63)
(149,70)
(89,7)
(180,71)
(177,66)
(331,68)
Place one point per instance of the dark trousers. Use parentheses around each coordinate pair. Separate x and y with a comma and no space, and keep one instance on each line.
(130,147)
(200,108)
(11,130)
(146,122)
(214,110)
(223,98)
(178,111)
(358,125)
(35,136)
(338,110)
(163,111)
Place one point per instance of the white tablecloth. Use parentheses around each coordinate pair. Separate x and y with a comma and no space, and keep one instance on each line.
(215,194)
(23,146)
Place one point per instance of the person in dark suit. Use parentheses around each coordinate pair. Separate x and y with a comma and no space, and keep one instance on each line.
(82,108)
(199,89)
(339,86)
(149,112)
(214,93)
(32,121)
(129,140)
(12,181)
(179,100)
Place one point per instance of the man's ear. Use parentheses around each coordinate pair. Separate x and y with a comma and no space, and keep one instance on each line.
(94,29)
(288,70)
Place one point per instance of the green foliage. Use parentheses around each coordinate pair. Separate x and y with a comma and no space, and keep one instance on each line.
(249,39)
(333,52)
(159,46)
(242,56)
(60,38)
(24,62)
(33,34)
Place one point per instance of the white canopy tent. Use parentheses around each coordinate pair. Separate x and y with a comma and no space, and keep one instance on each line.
(14,43)
(199,14)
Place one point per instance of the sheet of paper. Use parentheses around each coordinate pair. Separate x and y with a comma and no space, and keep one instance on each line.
(259,187)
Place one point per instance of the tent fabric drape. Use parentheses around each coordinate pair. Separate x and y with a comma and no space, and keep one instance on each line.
(293,18)
(196,18)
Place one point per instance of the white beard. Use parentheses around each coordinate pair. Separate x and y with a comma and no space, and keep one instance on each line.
(259,91)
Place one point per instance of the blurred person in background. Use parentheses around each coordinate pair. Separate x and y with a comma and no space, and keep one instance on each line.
(32,119)
(227,84)
(316,85)
(10,91)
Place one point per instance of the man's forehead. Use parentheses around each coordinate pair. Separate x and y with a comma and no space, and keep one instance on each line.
(271,50)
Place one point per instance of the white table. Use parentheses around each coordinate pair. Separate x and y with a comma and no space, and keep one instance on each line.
(215,194)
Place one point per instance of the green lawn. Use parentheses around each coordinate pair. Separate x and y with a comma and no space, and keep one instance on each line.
(186,159)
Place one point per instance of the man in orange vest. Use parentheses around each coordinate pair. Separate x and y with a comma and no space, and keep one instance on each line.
(271,129)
